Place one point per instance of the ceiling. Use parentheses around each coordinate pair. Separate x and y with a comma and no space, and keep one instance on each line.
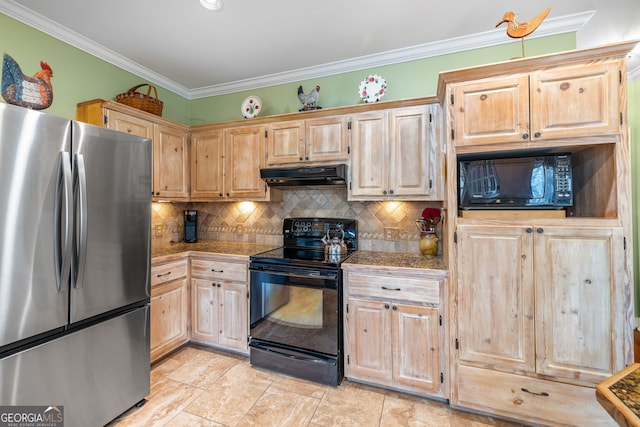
(253,43)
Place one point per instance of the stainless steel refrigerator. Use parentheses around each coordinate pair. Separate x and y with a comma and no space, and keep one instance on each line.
(75,211)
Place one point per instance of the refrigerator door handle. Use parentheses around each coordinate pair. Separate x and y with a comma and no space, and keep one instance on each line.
(62,218)
(80,199)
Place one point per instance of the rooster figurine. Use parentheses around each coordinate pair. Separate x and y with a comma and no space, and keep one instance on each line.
(519,30)
(309,100)
(34,92)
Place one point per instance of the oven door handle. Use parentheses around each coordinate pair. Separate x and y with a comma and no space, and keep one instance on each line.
(312,275)
(298,356)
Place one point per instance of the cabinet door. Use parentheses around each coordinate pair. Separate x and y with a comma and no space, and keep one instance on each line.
(170,163)
(285,143)
(129,124)
(491,111)
(416,346)
(204,311)
(409,174)
(369,341)
(168,323)
(496,297)
(327,139)
(579,292)
(370,158)
(233,315)
(576,101)
(244,154)
(207,165)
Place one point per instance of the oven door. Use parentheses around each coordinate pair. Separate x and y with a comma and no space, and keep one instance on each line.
(296,307)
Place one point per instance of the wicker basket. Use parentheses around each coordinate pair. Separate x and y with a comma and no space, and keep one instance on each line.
(148,103)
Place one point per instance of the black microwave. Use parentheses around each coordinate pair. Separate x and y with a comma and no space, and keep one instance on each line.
(536,182)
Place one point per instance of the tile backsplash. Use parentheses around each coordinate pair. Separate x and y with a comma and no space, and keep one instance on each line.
(386,226)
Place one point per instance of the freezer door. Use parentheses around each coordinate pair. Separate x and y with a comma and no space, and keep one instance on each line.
(96,373)
(112,231)
(33,294)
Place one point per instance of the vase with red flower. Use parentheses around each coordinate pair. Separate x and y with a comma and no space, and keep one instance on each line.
(427,226)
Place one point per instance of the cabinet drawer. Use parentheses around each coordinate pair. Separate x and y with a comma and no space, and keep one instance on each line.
(547,402)
(169,271)
(218,269)
(421,290)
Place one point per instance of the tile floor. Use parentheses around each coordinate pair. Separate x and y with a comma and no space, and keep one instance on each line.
(198,387)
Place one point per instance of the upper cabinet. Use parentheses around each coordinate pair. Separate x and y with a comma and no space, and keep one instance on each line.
(170,163)
(226,162)
(532,107)
(170,143)
(322,139)
(396,154)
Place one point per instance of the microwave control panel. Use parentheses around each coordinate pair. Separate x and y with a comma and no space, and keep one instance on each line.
(563,178)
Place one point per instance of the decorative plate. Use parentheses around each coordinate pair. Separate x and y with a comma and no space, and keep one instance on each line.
(372,88)
(251,107)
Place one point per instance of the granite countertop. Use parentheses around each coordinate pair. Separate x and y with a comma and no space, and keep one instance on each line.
(396,259)
(371,258)
(620,396)
(211,246)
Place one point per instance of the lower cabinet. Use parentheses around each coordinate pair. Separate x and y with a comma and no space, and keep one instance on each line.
(538,330)
(219,302)
(169,306)
(393,329)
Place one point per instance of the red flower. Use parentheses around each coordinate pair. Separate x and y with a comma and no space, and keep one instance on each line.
(431,213)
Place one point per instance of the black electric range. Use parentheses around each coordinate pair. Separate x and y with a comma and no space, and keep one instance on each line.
(296,301)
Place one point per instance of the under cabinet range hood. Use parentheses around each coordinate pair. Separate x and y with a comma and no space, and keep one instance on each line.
(307,176)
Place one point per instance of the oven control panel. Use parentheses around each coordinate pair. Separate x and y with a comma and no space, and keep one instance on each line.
(318,226)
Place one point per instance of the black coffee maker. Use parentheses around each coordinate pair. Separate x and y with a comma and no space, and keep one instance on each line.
(191,226)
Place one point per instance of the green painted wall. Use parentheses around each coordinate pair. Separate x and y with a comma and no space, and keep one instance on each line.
(77,76)
(412,79)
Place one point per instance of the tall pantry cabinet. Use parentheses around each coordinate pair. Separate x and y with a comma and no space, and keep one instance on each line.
(541,305)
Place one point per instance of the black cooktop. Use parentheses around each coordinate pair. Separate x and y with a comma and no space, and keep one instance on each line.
(303,245)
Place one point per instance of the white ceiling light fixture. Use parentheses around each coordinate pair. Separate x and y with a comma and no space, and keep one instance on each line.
(214,5)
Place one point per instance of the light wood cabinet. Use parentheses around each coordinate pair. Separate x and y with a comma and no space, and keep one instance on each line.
(170,152)
(169,307)
(226,162)
(532,107)
(219,301)
(556,288)
(541,305)
(393,330)
(298,142)
(170,163)
(396,154)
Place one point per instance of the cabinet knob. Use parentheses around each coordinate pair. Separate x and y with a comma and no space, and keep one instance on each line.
(384,192)
(525,136)
(301,158)
(390,191)
(220,194)
(386,306)
(227,194)
(395,308)
(306,158)
(537,135)
(540,230)
(529,230)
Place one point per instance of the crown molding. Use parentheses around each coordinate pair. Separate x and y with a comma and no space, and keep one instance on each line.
(552,26)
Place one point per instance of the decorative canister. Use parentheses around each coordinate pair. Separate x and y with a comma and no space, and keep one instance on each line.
(428,243)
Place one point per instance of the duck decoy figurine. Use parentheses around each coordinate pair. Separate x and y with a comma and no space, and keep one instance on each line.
(519,30)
